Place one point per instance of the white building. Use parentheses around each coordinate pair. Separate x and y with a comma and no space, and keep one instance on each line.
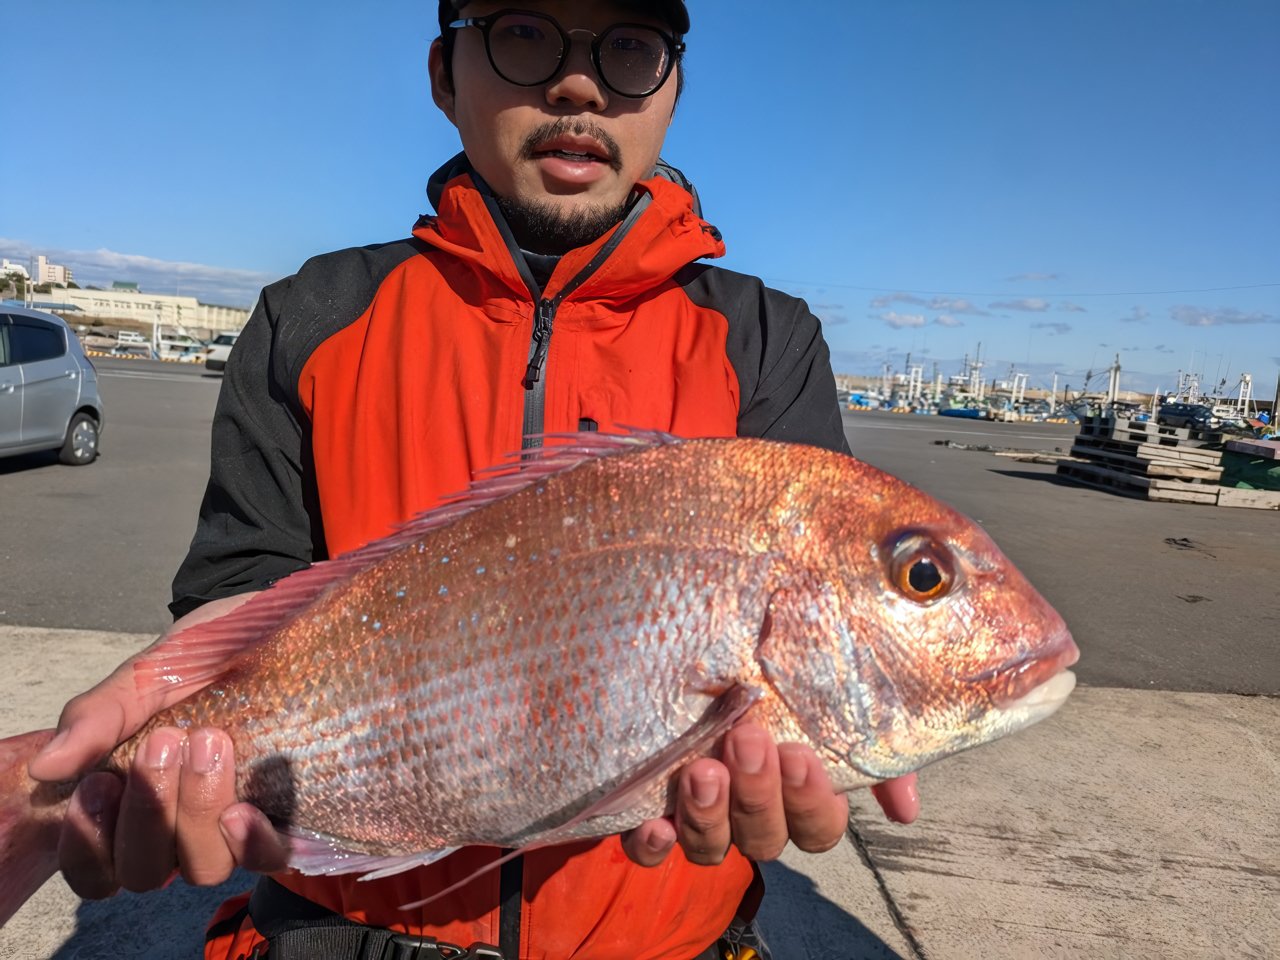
(147,308)
(47,272)
(8,268)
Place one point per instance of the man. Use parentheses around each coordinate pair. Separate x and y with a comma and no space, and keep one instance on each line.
(557,289)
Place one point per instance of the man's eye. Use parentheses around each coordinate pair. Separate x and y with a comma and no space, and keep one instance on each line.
(630,45)
(524,31)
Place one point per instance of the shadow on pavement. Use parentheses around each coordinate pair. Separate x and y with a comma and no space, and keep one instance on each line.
(798,923)
(1053,478)
(28,461)
(163,925)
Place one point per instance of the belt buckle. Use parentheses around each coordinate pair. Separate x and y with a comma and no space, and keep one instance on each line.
(404,946)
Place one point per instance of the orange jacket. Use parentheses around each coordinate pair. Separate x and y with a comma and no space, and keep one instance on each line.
(376,381)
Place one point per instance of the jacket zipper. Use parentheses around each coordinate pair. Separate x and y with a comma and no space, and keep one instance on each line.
(533,382)
(543,319)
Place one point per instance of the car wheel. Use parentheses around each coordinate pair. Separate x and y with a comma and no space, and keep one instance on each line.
(81,445)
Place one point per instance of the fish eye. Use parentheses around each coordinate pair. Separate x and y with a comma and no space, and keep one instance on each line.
(920,570)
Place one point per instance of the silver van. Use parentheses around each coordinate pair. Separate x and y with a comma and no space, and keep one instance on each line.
(49,396)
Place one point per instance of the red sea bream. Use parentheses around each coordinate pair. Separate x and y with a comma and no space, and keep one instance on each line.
(532,662)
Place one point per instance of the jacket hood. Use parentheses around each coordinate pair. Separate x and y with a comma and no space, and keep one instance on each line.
(663,232)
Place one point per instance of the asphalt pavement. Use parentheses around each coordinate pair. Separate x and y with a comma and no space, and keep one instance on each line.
(1141,821)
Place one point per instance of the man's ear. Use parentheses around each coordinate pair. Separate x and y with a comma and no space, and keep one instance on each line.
(441,80)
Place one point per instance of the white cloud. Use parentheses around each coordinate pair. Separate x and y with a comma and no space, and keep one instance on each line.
(1055,329)
(949,304)
(1032,276)
(1137,314)
(958,305)
(1223,316)
(222,285)
(1033,304)
(1071,307)
(946,320)
(879,303)
(900,320)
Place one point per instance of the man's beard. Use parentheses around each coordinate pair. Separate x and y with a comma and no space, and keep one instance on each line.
(542,227)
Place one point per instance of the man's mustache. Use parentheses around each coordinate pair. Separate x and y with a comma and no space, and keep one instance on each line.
(578,127)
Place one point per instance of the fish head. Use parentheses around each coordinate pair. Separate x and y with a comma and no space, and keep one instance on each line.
(921,639)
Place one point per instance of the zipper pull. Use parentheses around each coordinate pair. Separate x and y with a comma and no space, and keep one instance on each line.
(541,341)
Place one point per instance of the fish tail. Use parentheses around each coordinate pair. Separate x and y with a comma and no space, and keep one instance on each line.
(30,815)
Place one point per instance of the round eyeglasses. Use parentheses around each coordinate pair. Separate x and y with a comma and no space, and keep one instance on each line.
(528,49)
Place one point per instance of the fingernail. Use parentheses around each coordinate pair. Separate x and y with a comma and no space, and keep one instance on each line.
(54,745)
(235,827)
(659,844)
(748,753)
(159,752)
(794,770)
(93,799)
(203,752)
(705,789)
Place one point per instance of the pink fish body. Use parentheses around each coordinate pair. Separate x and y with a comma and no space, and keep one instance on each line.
(534,662)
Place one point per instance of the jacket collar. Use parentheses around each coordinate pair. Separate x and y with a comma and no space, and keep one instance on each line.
(663,232)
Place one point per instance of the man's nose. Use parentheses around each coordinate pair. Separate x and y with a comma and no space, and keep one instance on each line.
(577,83)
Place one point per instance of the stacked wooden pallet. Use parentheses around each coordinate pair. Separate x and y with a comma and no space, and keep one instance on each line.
(1145,459)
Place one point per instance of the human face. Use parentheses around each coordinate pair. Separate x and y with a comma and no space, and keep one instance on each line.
(528,143)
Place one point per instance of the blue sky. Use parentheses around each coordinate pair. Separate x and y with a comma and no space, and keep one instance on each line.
(1058,181)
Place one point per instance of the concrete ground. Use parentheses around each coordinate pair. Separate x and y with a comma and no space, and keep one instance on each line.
(1133,824)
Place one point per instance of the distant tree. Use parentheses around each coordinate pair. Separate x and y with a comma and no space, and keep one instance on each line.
(72,285)
(43,288)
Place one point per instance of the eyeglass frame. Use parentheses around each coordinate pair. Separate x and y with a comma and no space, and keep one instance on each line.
(675,47)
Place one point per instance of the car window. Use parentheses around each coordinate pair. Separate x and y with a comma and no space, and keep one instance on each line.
(225,339)
(4,343)
(31,340)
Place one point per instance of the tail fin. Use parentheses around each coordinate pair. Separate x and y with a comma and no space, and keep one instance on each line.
(30,815)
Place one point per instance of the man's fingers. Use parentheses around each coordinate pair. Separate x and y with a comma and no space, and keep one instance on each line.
(899,798)
(252,840)
(816,817)
(702,811)
(90,726)
(206,787)
(149,808)
(756,811)
(88,830)
(98,720)
(649,843)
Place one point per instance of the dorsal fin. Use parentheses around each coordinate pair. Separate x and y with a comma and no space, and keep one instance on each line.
(196,656)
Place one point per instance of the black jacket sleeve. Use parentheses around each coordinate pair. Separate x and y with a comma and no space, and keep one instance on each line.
(775,344)
(258,521)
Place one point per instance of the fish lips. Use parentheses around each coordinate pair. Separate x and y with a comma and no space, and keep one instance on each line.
(1015,678)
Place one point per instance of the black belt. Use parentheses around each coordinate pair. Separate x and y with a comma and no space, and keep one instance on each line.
(298,929)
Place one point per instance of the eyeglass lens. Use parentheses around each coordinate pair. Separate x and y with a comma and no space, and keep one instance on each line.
(527,49)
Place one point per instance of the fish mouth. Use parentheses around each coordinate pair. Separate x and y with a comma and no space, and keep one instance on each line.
(1021,676)
(1043,699)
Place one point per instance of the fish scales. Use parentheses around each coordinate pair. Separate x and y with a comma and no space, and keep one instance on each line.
(511,663)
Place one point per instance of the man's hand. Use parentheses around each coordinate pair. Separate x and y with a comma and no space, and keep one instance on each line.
(758,797)
(176,809)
